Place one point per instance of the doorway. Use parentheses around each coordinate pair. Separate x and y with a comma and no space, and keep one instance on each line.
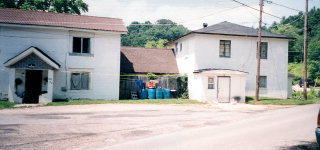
(32,86)
(223,89)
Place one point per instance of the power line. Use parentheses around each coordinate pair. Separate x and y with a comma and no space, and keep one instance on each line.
(271,2)
(257,9)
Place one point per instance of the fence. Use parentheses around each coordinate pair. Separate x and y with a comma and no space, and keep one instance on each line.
(128,84)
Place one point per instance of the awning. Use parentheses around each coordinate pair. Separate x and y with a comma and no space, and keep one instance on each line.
(32,58)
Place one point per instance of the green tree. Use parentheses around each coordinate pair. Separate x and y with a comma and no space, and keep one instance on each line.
(160,43)
(60,6)
(152,35)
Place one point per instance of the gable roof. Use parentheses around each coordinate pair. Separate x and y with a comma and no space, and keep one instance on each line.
(145,60)
(231,29)
(40,18)
(227,28)
(33,50)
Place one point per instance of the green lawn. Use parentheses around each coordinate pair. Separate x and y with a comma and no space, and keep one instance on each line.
(6,104)
(275,101)
(147,101)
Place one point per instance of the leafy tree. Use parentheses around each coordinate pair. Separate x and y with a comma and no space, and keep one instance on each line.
(160,43)
(152,35)
(293,26)
(60,6)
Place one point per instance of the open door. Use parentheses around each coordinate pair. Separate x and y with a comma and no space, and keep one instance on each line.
(32,86)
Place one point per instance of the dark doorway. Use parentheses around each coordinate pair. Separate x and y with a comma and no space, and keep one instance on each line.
(32,86)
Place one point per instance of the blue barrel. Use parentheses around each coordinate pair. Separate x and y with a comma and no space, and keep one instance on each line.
(151,93)
(159,94)
(143,94)
(166,93)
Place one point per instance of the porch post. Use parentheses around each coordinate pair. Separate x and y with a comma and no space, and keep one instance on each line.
(11,88)
(50,85)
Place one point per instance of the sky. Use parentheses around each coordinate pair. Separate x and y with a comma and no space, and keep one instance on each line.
(193,13)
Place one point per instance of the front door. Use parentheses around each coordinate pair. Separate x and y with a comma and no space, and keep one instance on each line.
(223,89)
(32,86)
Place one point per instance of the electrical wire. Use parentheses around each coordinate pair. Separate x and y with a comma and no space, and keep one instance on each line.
(257,9)
(271,2)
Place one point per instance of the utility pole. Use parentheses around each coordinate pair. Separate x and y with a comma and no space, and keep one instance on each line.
(305,52)
(259,53)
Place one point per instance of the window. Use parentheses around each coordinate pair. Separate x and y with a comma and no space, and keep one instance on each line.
(176,47)
(180,47)
(264,50)
(80,81)
(263,81)
(225,48)
(81,45)
(210,83)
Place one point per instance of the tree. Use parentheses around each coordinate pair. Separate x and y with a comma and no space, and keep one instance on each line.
(160,43)
(60,6)
(152,35)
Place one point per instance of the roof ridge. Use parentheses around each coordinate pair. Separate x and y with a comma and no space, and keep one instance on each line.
(57,13)
(146,48)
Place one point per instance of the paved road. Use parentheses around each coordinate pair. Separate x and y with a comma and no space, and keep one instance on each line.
(119,126)
(289,128)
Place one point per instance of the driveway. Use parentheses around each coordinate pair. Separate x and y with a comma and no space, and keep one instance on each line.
(119,126)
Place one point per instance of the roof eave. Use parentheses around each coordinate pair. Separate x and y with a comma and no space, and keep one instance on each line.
(290,38)
(59,27)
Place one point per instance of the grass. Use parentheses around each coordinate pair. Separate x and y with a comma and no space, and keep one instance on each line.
(5,104)
(148,101)
(275,101)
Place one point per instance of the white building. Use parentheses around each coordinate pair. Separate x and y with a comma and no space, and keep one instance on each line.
(45,56)
(220,61)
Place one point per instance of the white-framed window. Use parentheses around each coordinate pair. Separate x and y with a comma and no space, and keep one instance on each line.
(80,81)
(180,47)
(263,81)
(225,48)
(210,82)
(81,45)
(263,51)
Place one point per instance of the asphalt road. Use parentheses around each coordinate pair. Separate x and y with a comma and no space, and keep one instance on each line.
(120,126)
(288,128)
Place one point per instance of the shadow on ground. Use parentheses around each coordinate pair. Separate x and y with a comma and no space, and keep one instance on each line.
(303,146)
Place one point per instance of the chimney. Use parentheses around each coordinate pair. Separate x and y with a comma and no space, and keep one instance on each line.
(205,25)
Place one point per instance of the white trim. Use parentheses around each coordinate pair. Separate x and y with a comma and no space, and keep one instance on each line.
(28,52)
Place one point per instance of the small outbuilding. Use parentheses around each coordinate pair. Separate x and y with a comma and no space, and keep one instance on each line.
(218,85)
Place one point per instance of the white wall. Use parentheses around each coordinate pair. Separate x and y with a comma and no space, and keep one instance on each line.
(205,52)
(104,65)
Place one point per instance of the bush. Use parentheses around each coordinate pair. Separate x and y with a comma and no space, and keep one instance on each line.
(312,94)
(182,83)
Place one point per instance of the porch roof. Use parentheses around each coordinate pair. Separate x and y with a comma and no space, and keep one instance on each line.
(32,51)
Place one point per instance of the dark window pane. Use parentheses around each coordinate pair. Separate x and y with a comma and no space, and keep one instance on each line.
(225,48)
(75,81)
(263,81)
(210,86)
(85,81)
(180,47)
(77,45)
(86,45)
(264,50)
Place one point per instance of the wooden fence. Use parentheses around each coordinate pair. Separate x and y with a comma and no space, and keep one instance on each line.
(128,84)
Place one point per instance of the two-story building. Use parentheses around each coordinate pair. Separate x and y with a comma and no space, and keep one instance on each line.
(45,56)
(220,61)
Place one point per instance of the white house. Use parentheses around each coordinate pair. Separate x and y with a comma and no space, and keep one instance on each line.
(45,56)
(220,61)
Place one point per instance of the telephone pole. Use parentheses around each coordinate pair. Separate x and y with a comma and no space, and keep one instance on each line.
(259,51)
(305,52)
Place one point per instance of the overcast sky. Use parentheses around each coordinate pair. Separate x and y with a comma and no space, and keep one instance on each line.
(193,13)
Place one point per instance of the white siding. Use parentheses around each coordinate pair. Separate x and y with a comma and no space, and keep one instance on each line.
(205,52)
(104,64)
